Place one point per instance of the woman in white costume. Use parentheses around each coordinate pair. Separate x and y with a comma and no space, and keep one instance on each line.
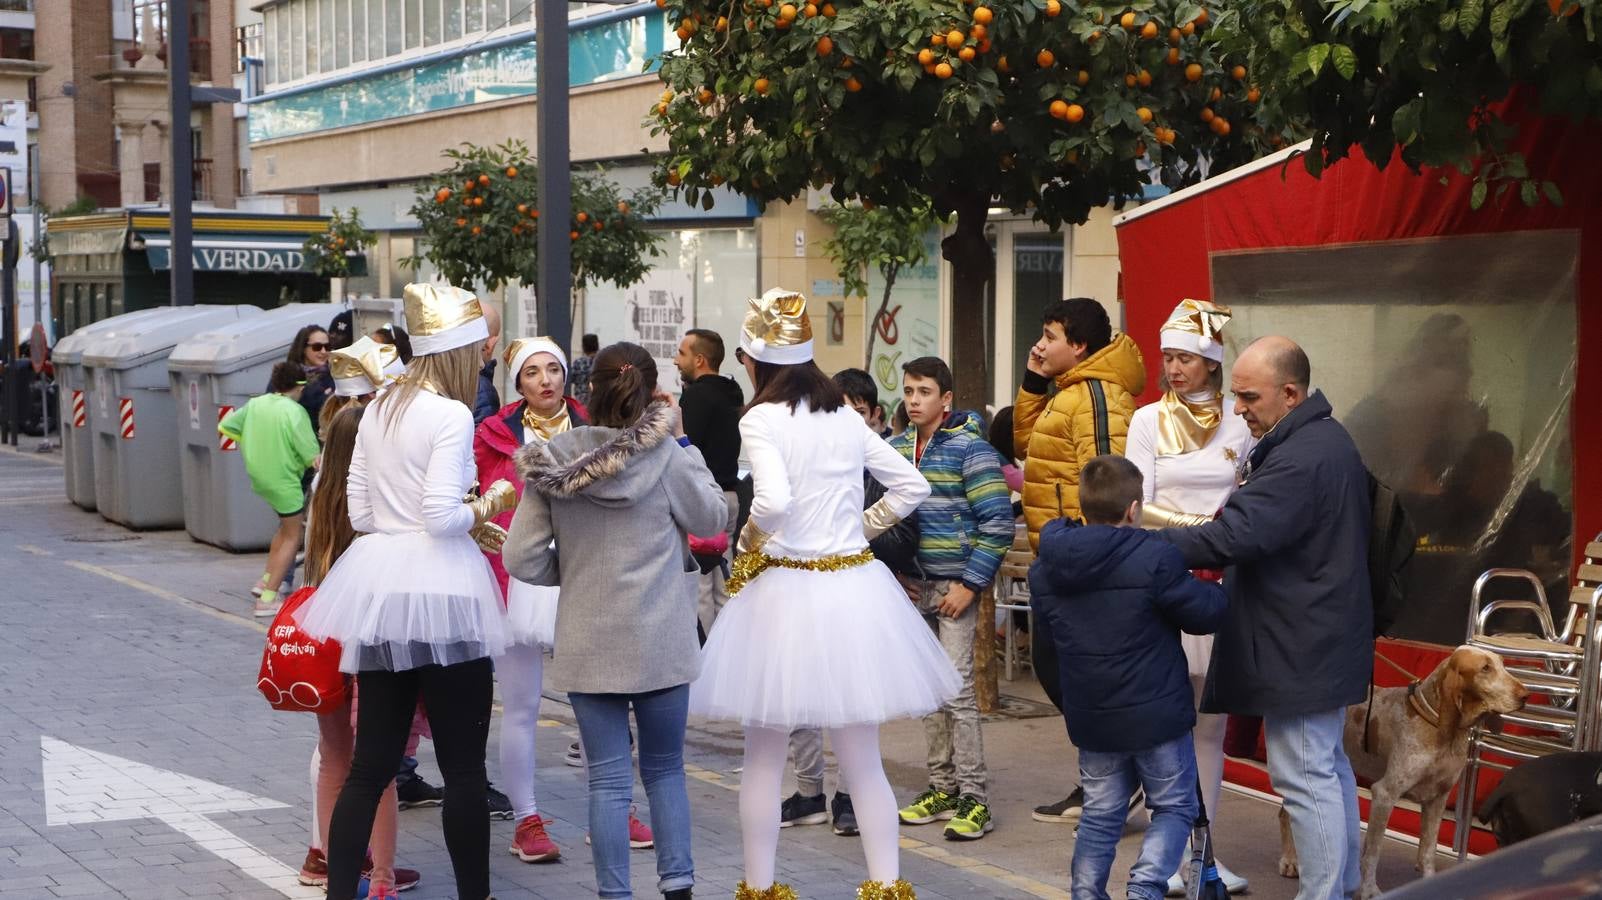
(412,601)
(1188,446)
(816,633)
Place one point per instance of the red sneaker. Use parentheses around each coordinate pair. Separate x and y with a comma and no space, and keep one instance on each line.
(531,844)
(314,871)
(640,837)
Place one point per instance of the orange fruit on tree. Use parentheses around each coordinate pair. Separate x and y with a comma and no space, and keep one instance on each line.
(469,184)
(596,224)
(661,4)
(1254,95)
(1075,113)
(1093,38)
(1173,56)
(517,229)
(938,40)
(1193,72)
(673,177)
(783,24)
(533,214)
(983,15)
(1083,78)
(522,209)
(1175,36)
(661,109)
(572,235)
(705,96)
(1220,126)
(683,33)
(461,223)
(483,181)
(1140,148)
(1188,29)
(853,85)
(723,23)
(1053,9)
(828,10)
(943,70)
(1045,59)
(955,38)
(1201,16)
(477,230)
(1144,114)
(441,195)
(1148,31)
(1002,65)
(1059,109)
(825,45)
(984,45)
(978,33)
(929,68)
(511,171)
(1128,21)
(582,217)
(846,62)
(478,201)
(1143,79)
(623,207)
(787,12)
(1207,114)
(1239,73)
(926,57)
(966,54)
(1217,95)
(760,85)
(1129,81)
(810,10)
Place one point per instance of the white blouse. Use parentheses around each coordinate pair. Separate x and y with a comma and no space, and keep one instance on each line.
(1197,482)
(806,473)
(411,477)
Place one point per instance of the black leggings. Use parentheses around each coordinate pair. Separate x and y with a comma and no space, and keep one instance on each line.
(458,701)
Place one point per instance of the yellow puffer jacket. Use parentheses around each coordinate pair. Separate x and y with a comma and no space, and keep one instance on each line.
(1088,416)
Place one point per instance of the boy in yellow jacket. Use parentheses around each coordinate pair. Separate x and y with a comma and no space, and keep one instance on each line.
(1098,376)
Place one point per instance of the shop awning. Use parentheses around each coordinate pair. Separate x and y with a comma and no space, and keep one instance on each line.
(235,254)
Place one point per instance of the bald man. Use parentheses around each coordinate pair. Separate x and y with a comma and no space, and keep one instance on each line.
(489,399)
(1296,647)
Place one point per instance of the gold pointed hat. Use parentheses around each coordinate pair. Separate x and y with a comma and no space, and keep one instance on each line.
(364,367)
(1196,326)
(440,317)
(776,328)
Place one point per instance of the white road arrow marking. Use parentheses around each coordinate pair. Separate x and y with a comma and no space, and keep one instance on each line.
(84,787)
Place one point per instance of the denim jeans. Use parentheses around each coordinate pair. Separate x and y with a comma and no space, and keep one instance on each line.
(603,721)
(1167,772)
(1310,770)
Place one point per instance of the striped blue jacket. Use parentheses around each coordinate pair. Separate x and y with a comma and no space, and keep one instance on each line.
(966,525)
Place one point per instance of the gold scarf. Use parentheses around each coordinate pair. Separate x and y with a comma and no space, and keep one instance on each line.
(544,427)
(1185,427)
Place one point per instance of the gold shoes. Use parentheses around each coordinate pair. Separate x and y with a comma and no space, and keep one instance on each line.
(878,890)
(776,891)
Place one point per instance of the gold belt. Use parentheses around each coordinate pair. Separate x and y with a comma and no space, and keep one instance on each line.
(747,566)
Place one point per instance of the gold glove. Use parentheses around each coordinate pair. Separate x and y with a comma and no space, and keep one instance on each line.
(878,518)
(488,536)
(500,497)
(752,539)
(1152,516)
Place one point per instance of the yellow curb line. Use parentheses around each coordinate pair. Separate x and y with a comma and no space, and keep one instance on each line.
(163,593)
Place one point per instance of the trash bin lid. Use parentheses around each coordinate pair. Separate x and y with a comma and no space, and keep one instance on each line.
(69,350)
(238,345)
(155,336)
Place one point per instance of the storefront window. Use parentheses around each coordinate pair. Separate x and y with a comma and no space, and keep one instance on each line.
(910,327)
(705,275)
(1455,379)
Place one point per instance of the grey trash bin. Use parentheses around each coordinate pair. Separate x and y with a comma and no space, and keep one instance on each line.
(77,447)
(212,374)
(132,417)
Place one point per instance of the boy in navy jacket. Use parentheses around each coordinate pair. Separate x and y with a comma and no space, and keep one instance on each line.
(1113,599)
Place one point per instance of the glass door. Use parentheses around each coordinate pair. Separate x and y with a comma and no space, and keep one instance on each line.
(1031,272)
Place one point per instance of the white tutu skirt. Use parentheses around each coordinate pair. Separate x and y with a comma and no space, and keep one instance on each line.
(1198,653)
(530,614)
(400,601)
(821,649)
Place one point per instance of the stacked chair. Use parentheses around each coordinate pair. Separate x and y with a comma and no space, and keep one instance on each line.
(1560,666)
(1012,595)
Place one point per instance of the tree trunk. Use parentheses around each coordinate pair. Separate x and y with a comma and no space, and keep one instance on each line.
(985,685)
(972,263)
(890,271)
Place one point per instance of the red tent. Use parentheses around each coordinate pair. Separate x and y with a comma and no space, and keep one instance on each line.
(1463,348)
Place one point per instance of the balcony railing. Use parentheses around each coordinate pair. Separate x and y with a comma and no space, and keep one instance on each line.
(203,186)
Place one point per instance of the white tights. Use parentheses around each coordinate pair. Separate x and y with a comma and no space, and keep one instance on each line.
(856,749)
(521,672)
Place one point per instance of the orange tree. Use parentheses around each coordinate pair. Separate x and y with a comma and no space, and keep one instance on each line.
(1423,75)
(330,253)
(1044,107)
(480,217)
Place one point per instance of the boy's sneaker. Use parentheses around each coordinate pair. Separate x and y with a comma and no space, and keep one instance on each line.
(531,844)
(266,609)
(971,821)
(1136,819)
(575,756)
(845,817)
(416,792)
(499,806)
(929,806)
(314,871)
(640,836)
(799,810)
(1066,810)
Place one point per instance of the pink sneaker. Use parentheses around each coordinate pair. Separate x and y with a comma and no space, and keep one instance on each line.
(640,837)
(314,871)
(531,844)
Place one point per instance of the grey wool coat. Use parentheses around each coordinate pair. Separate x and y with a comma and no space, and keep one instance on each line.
(620,505)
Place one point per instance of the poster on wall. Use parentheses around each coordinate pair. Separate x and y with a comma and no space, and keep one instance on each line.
(657,312)
(27,287)
(910,325)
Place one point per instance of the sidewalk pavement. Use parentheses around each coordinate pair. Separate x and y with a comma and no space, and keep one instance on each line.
(140,646)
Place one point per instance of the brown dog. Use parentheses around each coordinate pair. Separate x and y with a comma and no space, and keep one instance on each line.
(1417,748)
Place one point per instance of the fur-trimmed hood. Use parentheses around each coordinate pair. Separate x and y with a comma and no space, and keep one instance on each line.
(610,466)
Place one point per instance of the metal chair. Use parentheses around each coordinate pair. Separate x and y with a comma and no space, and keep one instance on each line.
(1012,595)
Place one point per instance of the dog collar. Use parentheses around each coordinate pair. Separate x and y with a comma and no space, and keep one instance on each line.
(1416,700)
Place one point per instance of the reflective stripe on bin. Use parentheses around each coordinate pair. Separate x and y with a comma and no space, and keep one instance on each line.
(80,417)
(125,413)
(224,442)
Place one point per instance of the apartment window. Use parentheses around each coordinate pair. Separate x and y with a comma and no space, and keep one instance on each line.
(327,35)
(433,13)
(453,20)
(269,18)
(342,33)
(297,38)
(285,51)
(247,43)
(358,30)
(522,12)
(394,26)
(475,16)
(414,23)
(495,13)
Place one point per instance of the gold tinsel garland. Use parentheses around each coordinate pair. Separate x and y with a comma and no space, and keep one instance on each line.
(775,891)
(747,566)
(878,890)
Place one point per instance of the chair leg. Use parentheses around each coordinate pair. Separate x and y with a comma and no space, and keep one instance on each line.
(1465,800)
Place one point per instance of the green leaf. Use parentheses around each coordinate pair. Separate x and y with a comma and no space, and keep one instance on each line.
(1317,55)
(1502,17)
(1469,14)
(1553,195)
(1477,195)
(1449,20)
(1344,59)
(1405,121)
(1528,193)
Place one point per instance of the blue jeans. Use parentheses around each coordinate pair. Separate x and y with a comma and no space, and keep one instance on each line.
(1167,772)
(1310,770)
(603,721)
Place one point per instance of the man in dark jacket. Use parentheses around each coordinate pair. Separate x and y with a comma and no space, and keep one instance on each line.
(1112,599)
(711,405)
(1296,647)
(488,401)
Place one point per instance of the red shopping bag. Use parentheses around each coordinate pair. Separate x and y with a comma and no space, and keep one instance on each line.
(299,673)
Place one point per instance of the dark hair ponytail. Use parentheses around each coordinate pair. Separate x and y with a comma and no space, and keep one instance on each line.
(621,385)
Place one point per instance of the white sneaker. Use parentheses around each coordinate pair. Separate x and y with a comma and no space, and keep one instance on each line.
(266,609)
(1176,883)
(1233,883)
